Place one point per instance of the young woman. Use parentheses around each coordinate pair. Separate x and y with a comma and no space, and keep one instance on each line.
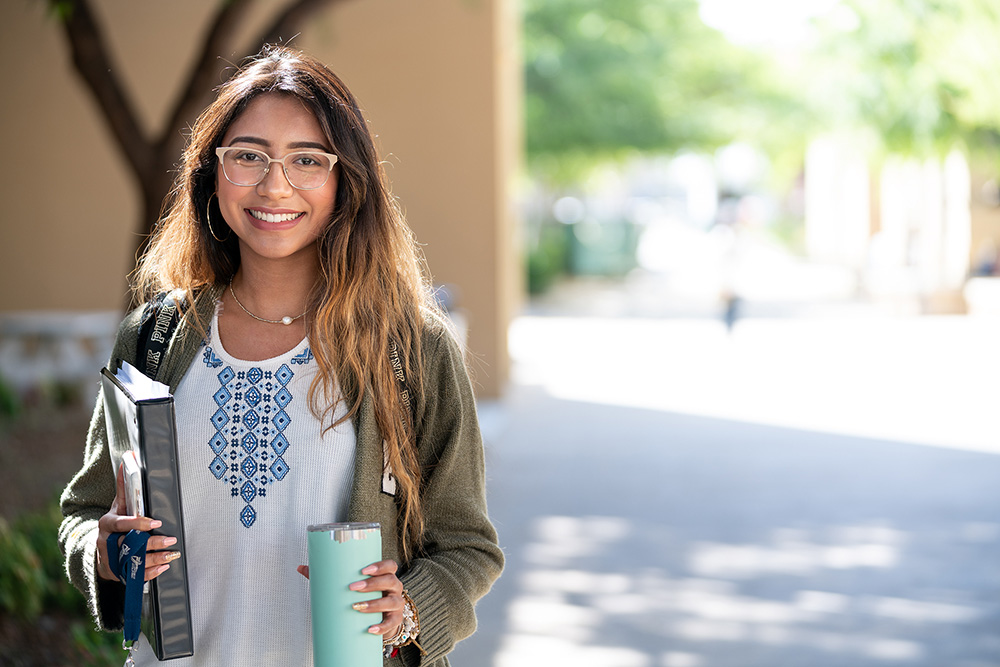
(300,287)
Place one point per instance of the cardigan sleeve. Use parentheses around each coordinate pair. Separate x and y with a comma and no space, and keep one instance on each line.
(460,558)
(88,497)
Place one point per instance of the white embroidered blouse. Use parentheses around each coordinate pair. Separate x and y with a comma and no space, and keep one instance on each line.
(255,469)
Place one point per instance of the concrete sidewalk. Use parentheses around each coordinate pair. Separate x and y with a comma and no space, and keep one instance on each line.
(650,521)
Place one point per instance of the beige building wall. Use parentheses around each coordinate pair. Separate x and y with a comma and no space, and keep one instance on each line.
(438,80)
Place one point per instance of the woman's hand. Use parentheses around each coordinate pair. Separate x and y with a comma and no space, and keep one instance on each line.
(117,521)
(381,577)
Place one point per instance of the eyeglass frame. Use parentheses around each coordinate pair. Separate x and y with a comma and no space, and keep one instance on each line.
(221,150)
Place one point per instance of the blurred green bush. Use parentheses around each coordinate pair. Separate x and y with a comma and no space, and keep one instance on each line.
(10,403)
(33,585)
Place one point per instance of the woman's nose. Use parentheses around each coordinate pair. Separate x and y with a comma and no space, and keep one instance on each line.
(275,184)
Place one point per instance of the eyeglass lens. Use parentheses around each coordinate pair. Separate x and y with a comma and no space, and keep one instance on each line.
(304,170)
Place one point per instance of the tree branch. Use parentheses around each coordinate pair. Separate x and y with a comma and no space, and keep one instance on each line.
(94,65)
(200,78)
(286,24)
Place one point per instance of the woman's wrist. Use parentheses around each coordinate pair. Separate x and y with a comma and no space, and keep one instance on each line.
(408,629)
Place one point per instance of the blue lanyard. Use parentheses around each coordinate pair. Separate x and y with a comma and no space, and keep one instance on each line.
(130,568)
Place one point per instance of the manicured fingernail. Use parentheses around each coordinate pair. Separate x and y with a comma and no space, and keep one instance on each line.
(371,569)
(360,606)
(155,524)
(374,629)
(173,555)
(357,586)
(170,541)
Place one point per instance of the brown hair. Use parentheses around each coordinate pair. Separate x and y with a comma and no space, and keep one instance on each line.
(370,293)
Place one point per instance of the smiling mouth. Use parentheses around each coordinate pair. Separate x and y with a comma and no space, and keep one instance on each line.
(274,217)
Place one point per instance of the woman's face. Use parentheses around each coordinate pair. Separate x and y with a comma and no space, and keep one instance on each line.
(272,219)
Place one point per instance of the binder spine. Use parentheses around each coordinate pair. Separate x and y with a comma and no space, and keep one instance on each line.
(171,634)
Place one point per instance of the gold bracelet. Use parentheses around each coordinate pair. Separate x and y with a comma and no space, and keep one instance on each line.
(408,629)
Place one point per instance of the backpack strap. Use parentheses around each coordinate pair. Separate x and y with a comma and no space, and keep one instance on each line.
(157,326)
(404,388)
(406,397)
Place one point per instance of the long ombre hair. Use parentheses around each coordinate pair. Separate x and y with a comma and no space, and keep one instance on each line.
(370,293)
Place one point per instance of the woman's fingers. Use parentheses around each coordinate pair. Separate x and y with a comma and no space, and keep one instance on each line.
(387,604)
(390,605)
(117,522)
(391,608)
(381,567)
(111,523)
(158,562)
(160,542)
(158,558)
(387,583)
(382,578)
(389,625)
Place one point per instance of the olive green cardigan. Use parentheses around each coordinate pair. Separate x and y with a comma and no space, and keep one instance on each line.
(460,559)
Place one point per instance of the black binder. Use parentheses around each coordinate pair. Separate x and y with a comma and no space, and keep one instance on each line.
(140,416)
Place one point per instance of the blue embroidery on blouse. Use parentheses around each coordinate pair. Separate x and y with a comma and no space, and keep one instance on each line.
(211,360)
(304,357)
(245,427)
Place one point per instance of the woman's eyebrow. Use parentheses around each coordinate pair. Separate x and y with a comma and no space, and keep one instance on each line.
(267,144)
(309,144)
(250,140)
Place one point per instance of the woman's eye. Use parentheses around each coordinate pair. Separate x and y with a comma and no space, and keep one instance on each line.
(248,157)
(307,161)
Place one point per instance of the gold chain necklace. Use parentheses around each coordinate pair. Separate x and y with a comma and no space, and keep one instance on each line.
(286,320)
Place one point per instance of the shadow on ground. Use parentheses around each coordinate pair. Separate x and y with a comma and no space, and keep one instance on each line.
(643,538)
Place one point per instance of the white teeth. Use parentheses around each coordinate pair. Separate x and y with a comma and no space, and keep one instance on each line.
(273,217)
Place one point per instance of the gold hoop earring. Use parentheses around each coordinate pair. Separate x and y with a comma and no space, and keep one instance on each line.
(208,219)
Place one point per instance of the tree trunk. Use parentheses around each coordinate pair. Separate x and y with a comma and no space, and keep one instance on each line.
(152,160)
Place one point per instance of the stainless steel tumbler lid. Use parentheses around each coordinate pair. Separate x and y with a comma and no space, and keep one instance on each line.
(345,532)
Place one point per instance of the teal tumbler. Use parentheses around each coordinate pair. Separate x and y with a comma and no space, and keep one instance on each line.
(337,554)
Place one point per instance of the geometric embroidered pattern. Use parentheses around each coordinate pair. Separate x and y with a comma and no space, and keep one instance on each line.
(303,358)
(211,360)
(218,443)
(249,443)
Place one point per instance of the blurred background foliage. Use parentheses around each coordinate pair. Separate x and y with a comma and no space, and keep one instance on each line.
(922,74)
(604,79)
(36,597)
(39,608)
(610,83)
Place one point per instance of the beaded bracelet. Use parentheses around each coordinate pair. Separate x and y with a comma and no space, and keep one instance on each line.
(407,632)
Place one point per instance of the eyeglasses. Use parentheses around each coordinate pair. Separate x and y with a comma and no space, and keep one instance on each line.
(305,170)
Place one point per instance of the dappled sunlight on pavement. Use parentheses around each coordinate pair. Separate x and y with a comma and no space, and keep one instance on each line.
(704,609)
(815,491)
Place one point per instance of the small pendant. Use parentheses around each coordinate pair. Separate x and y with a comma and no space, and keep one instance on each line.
(286,320)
